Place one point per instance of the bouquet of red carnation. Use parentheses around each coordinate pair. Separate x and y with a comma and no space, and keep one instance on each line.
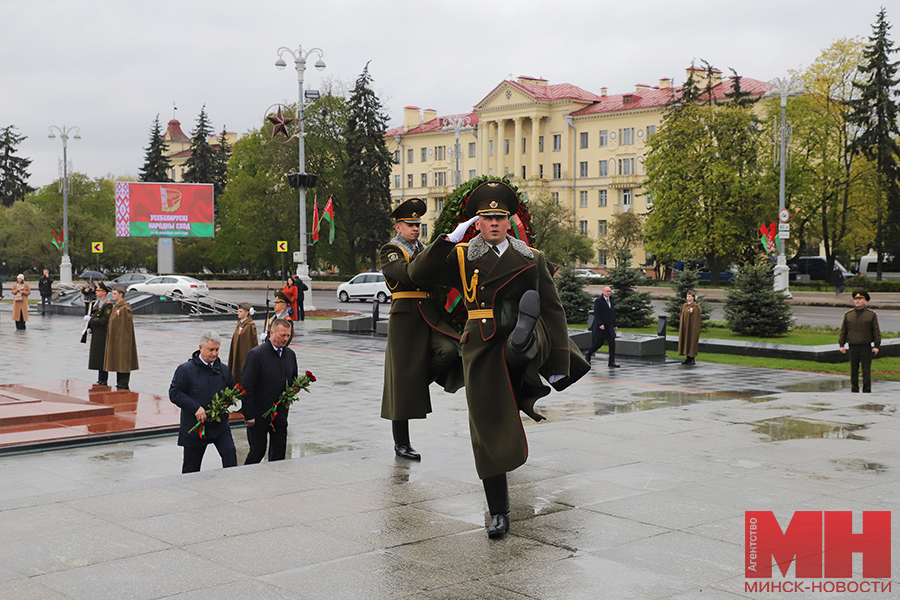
(289,395)
(225,402)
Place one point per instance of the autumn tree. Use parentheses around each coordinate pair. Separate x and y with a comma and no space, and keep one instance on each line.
(624,232)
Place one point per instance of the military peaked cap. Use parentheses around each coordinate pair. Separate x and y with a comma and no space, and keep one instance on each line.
(281,296)
(492,199)
(861,293)
(410,211)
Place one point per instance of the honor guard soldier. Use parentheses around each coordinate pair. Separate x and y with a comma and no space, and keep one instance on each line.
(421,346)
(243,340)
(98,321)
(281,312)
(861,332)
(516,333)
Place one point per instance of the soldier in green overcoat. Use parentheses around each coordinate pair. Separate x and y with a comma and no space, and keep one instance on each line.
(98,323)
(516,332)
(421,346)
(121,348)
(860,331)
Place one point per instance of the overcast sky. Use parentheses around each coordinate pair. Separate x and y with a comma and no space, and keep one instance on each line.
(110,66)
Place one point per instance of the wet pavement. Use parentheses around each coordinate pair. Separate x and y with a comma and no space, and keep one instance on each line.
(635,487)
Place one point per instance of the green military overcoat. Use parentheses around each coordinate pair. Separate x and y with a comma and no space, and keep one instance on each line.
(494,394)
(98,325)
(691,319)
(407,358)
(121,348)
(243,341)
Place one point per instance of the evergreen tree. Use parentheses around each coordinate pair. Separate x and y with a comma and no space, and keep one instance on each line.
(221,167)
(633,308)
(13,169)
(367,207)
(875,115)
(754,307)
(683,282)
(202,165)
(157,165)
(575,300)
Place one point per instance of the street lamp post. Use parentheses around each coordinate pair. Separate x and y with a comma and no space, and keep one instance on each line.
(65,267)
(784,88)
(300,57)
(457,124)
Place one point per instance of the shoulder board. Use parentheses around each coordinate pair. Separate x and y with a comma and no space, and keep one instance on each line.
(533,249)
(870,309)
(463,245)
(850,311)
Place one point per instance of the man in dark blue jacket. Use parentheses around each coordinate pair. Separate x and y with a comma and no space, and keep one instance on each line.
(194,385)
(268,369)
(603,329)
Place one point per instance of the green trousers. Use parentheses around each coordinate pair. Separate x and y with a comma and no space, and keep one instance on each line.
(860,354)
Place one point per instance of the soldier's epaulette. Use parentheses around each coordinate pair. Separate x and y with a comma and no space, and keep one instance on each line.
(872,309)
(462,245)
(850,311)
(533,249)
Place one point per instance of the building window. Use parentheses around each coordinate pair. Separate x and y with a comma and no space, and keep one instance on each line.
(557,170)
(604,138)
(505,146)
(583,169)
(523,171)
(439,152)
(651,129)
(471,173)
(541,171)
(490,147)
(439,204)
(601,259)
(604,169)
(557,142)
(471,149)
(506,171)
(626,135)
(540,143)
(554,197)
(440,178)
(523,145)
(601,228)
(602,198)
(424,179)
(582,199)
(626,166)
(584,139)
(424,230)
(582,227)
(409,155)
(424,154)
(409,180)
(625,196)
(396,181)
(396,157)
(649,200)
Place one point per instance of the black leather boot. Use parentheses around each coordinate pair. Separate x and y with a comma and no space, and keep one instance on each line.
(497,492)
(522,344)
(402,447)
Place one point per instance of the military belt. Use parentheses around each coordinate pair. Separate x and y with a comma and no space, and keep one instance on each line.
(481,313)
(404,295)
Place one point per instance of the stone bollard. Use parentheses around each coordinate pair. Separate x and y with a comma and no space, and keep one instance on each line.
(661,325)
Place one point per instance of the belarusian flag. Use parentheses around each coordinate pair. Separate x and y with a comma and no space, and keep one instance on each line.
(328,215)
(315,233)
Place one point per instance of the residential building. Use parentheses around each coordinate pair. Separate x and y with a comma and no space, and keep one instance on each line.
(179,147)
(577,148)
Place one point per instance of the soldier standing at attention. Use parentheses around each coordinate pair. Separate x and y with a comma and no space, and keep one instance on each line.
(98,321)
(421,347)
(121,350)
(243,341)
(860,331)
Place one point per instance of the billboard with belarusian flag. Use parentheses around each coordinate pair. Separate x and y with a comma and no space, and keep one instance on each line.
(164,210)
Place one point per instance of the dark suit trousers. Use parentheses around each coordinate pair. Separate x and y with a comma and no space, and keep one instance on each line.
(597,343)
(193,454)
(262,433)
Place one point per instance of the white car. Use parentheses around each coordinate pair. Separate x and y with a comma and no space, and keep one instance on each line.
(163,284)
(365,286)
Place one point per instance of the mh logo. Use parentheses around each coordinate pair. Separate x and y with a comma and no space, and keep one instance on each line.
(822,543)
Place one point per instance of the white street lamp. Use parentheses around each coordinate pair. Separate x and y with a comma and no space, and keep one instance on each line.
(783,87)
(300,57)
(457,124)
(65,267)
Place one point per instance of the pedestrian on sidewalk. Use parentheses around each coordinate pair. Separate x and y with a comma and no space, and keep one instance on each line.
(860,331)
(45,287)
(4,271)
(121,348)
(603,329)
(294,292)
(689,324)
(837,278)
(20,292)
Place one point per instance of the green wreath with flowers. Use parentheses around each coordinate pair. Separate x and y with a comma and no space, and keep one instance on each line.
(449,300)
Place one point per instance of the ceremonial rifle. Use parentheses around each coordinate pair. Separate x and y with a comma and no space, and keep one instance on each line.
(86,323)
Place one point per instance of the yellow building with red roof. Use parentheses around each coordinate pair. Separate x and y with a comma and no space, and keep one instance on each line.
(179,147)
(580,149)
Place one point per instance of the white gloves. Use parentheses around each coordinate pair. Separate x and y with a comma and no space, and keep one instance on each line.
(457,234)
(87,317)
(262,337)
(555,378)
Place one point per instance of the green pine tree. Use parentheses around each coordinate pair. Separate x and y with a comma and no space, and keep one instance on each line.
(157,165)
(753,307)
(633,308)
(222,155)
(202,165)
(13,169)
(683,282)
(575,300)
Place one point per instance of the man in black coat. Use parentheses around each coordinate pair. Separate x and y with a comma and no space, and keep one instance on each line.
(268,369)
(603,329)
(45,286)
(193,387)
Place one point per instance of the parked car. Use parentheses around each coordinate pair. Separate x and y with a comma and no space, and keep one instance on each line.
(127,279)
(163,284)
(868,266)
(587,273)
(816,267)
(704,274)
(365,286)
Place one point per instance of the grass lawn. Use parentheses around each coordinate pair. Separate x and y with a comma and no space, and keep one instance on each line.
(802,335)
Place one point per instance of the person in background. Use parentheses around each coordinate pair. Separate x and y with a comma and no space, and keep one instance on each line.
(294,293)
(4,271)
(280,306)
(20,292)
(243,340)
(98,322)
(837,278)
(603,329)
(88,295)
(689,324)
(45,287)
(861,332)
(121,348)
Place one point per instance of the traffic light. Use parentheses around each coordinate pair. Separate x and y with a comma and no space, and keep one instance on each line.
(302,180)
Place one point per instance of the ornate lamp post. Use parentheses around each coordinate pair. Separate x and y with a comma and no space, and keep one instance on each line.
(65,267)
(783,87)
(300,57)
(457,124)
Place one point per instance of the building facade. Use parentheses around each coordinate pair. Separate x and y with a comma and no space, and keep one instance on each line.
(579,149)
(178,147)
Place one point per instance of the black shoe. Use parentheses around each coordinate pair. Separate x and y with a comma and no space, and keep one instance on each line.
(855,390)
(406,451)
(522,338)
(103,383)
(123,388)
(499,526)
(614,366)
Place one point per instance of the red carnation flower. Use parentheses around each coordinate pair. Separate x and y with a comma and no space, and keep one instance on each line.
(311,376)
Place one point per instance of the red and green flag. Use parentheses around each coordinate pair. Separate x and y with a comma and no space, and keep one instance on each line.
(315,232)
(328,215)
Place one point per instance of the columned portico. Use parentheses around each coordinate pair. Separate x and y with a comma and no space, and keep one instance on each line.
(517,148)
(535,146)
(498,148)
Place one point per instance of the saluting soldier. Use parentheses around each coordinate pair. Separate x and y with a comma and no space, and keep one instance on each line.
(516,333)
(243,340)
(121,349)
(98,324)
(421,346)
(861,332)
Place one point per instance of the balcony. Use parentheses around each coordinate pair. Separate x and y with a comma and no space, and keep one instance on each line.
(618,182)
